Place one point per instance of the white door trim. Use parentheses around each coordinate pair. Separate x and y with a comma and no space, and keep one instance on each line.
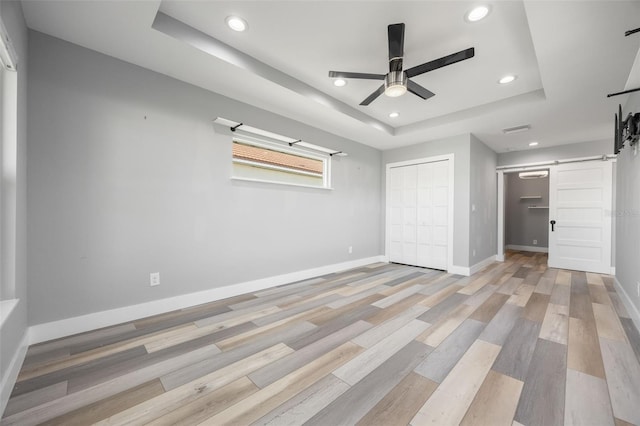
(500,252)
(450,207)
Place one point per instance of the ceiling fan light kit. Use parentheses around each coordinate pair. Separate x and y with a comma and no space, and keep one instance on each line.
(398,81)
(395,84)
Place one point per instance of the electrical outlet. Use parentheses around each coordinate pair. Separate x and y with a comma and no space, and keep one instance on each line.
(474,252)
(350,249)
(154,278)
(535,242)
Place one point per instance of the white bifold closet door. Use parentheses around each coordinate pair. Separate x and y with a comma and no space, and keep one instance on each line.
(418,214)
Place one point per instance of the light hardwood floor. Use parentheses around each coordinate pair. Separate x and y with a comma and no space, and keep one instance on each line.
(516,343)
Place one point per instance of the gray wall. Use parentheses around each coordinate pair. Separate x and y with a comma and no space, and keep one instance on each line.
(128,177)
(459,146)
(15,327)
(627,214)
(523,225)
(483,221)
(575,150)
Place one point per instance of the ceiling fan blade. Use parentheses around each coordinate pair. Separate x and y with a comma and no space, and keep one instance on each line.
(418,90)
(342,74)
(372,97)
(395,33)
(442,62)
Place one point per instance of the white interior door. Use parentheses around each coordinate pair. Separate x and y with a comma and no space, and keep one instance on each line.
(580,205)
(419,214)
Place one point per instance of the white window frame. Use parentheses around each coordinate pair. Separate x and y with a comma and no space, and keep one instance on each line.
(280,147)
(8,172)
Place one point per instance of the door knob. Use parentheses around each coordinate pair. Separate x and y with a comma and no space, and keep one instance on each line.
(553,222)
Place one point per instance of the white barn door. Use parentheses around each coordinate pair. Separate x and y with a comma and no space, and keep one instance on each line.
(580,216)
(419,214)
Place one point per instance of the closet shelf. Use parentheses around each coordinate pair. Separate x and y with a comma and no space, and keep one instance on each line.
(531,197)
(538,207)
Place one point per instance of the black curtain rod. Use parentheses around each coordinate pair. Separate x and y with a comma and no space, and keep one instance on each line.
(628,33)
(623,92)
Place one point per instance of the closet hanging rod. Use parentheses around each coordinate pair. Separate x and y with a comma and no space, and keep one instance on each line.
(623,92)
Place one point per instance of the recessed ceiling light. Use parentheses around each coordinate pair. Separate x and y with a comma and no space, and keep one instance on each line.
(236,23)
(477,13)
(339,82)
(394,114)
(533,143)
(507,79)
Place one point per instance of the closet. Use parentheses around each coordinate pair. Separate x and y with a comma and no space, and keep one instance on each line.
(418,214)
(527,211)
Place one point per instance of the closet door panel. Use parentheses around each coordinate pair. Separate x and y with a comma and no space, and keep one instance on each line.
(419,214)
(440,214)
(396,215)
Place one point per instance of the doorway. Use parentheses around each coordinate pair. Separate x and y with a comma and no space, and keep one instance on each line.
(527,211)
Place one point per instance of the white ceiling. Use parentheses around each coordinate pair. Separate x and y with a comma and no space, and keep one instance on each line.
(567,54)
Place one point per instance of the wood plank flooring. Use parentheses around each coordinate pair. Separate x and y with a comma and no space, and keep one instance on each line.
(515,344)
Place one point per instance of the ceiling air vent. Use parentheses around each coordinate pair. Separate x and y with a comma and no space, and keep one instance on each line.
(516,129)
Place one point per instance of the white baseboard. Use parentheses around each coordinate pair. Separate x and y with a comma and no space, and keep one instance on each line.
(459,270)
(613,271)
(470,270)
(534,249)
(6,386)
(482,264)
(632,309)
(66,327)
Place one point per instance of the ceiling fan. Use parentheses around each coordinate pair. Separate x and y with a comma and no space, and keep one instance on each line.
(397,82)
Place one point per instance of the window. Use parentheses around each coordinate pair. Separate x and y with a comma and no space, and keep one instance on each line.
(8,164)
(278,163)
